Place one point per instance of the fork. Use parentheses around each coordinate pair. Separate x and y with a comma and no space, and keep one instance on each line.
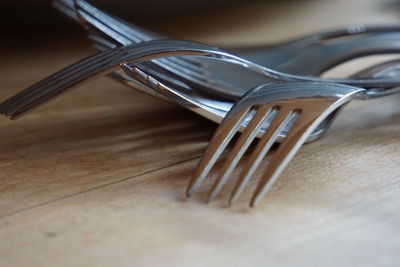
(102,63)
(109,32)
(300,105)
(30,98)
(99,64)
(71,7)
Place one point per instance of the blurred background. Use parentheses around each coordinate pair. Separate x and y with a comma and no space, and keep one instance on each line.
(27,15)
(39,13)
(241,21)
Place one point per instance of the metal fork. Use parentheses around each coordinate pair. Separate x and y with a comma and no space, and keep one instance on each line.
(28,99)
(50,87)
(98,65)
(109,31)
(300,105)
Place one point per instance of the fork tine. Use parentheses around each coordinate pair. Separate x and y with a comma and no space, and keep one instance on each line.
(93,66)
(123,28)
(262,114)
(283,155)
(297,135)
(131,32)
(264,145)
(53,85)
(33,90)
(122,39)
(37,90)
(220,140)
(119,31)
(186,67)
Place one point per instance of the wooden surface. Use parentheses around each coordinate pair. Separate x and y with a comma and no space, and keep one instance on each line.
(96,178)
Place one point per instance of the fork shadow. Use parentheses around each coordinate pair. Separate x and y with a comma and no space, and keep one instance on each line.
(43,159)
(147,131)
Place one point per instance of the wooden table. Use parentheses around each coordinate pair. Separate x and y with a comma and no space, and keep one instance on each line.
(96,178)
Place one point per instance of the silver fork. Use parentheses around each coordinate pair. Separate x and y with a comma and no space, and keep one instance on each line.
(28,99)
(125,34)
(108,32)
(300,105)
(98,65)
(41,92)
(215,110)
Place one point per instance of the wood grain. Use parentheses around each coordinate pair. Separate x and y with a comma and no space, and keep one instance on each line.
(97,177)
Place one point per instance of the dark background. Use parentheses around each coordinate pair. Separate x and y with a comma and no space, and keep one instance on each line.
(25,22)
(40,13)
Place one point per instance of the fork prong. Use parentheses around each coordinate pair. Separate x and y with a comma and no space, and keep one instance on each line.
(261,116)
(33,91)
(220,140)
(117,25)
(124,34)
(186,68)
(283,155)
(296,137)
(264,145)
(94,66)
(43,87)
(91,22)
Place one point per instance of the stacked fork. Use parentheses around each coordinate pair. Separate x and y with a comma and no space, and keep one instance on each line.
(289,108)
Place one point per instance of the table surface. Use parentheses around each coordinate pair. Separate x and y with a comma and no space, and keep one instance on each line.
(97,176)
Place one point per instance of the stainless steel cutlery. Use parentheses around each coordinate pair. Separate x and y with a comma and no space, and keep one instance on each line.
(274,93)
